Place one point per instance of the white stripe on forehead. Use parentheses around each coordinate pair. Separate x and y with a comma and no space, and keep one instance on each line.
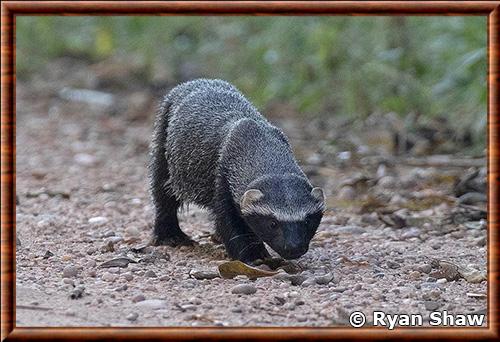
(282,215)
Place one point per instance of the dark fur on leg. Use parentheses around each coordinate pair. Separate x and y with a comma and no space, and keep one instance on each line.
(240,242)
(166,228)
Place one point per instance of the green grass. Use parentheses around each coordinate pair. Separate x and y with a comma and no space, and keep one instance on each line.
(351,66)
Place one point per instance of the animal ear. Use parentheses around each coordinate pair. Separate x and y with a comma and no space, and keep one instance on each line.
(317,193)
(250,196)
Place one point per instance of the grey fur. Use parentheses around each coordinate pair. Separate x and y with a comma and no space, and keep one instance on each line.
(208,135)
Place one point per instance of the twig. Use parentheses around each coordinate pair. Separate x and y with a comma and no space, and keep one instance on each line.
(33,307)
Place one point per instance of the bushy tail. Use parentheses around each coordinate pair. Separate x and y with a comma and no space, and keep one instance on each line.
(158,167)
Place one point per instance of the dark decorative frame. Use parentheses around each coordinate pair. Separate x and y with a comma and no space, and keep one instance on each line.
(11,9)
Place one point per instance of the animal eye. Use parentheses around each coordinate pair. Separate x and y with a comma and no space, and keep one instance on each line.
(273,224)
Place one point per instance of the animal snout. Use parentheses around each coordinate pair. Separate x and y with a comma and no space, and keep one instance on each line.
(295,250)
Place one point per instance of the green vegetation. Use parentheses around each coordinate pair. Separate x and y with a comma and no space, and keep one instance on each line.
(354,66)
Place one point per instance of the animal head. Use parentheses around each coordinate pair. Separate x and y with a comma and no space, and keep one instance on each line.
(284,211)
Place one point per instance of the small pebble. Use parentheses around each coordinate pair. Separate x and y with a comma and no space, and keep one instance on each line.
(200,275)
(189,307)
(98,220)
(77,292)
(70,271)
(414,275)
(481,242)
(392,264)
(297,279)
(150,274)
(132,231)
(433,294)
(121,288)
(246,289)
(195,300)
(109,277)
(426,268)
(69,281)
(90,264)
(138,298)
(85,159)
(114,270)
(301,318)
(299,302)
(113,240)
(431,305)
(387,182)
(108,233)
(410,233)
(152,304)
(308,282)
(132,316)
(324,279)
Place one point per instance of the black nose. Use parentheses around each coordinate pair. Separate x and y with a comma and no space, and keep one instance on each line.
(294,252)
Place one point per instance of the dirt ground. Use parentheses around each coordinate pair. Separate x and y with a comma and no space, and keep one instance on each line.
(395,237)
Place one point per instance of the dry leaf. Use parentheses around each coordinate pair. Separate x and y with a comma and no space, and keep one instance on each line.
(234,268)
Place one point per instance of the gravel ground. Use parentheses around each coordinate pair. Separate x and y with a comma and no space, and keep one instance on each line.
(83,200)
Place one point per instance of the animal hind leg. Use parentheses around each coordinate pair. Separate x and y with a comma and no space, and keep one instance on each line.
(166,227)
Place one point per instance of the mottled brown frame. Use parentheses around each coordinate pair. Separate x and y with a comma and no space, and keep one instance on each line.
(11,9)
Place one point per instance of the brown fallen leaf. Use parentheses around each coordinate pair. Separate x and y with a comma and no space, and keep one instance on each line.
(234,268)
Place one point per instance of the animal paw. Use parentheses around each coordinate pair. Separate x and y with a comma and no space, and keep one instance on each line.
(173,241)
(250,256)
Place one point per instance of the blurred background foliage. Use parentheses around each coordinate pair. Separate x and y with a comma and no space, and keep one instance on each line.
(423,67)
